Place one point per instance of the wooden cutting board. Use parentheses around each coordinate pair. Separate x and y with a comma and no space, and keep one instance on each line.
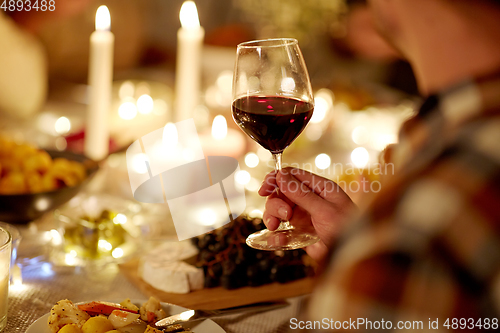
(219,298)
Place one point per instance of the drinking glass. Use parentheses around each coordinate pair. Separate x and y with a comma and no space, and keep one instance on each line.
(272,103)
(5,253)
(14,246)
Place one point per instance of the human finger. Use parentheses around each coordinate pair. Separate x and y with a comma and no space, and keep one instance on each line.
(318,252)
(268,185)
(277,207)
(272,222)
(300,192)
(323,187)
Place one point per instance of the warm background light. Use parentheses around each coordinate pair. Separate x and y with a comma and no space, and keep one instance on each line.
(252,160)
(145,104)
(360,157)
(127,111)
(323,161)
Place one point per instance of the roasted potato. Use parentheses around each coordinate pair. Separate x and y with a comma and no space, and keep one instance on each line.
(26,169)
(40,162)
(13,183)
(97,325)
(70,328)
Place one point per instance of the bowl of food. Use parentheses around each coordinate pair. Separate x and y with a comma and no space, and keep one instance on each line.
(98,228)
(35,181)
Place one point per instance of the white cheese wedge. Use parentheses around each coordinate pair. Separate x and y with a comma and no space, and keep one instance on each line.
(173,277)
(164,269)
(172,251)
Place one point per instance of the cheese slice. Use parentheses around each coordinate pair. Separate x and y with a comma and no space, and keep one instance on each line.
(164,269)
(173,277)
(172,251)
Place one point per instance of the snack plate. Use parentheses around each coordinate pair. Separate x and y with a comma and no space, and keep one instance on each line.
(220,298)
(206,326)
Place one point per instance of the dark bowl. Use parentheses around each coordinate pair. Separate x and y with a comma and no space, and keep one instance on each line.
(23,208)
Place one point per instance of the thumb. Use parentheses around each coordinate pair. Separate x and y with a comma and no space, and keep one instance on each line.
(299,192)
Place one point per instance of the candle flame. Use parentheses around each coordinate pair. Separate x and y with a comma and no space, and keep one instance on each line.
(219,127)
(170,136)
(102,18)
(189,15)
(62,125)
(127,110)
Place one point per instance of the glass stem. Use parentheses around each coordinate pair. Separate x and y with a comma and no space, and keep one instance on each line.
(277,161)
(284,225)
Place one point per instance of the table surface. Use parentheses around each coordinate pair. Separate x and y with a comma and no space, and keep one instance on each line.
(44,282)
(43,287)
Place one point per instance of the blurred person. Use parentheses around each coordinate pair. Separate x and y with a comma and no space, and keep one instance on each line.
(23,70)
(426,248)
(361,38)
(372,57)
(24,59)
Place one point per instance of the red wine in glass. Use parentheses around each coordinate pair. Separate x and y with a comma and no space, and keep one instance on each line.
(268,120)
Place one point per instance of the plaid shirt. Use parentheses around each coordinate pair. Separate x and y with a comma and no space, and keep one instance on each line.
(427,247)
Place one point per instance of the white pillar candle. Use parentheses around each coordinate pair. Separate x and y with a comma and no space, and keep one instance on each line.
(188,68)
(100,82)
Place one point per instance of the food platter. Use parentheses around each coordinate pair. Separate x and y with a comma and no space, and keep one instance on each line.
(219,298)
(206,326)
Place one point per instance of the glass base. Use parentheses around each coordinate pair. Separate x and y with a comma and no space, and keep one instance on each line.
(288,238)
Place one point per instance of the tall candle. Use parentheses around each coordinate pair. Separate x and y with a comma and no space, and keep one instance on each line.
(100,81)
(188,68)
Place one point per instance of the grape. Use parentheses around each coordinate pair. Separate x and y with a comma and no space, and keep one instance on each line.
(255,276)
(227,261)
(252,271)
(211,281)
(230,281)
(202,243)
(217,269)
(228,267)
(298,272)
(219,246)
(206,255)
(265,265)
(233,254)
(282,274)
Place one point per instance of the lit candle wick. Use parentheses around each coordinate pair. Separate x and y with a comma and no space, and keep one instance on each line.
(219,127)
(102,19)
(189,15)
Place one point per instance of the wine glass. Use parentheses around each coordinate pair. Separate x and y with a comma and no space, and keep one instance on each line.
(272,103)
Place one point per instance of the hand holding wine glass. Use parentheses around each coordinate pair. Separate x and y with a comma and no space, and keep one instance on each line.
(272,103)
(309,200)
